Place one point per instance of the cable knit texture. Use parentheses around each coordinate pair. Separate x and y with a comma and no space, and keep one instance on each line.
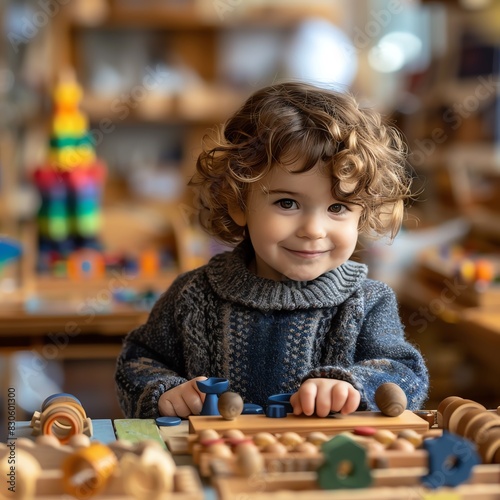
(267,337)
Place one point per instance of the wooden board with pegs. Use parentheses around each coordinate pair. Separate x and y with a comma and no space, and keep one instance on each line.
(388,484)
(47,469)
(252,424)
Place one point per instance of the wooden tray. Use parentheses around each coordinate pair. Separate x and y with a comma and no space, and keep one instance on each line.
(388,484)
(303,425)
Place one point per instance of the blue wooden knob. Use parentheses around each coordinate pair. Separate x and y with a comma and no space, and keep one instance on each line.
(212,387)
(451,459)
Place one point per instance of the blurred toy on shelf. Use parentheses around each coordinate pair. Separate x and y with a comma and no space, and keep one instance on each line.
(474,274)
(71,182)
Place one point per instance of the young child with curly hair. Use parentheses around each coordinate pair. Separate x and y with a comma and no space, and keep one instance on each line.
(292,180)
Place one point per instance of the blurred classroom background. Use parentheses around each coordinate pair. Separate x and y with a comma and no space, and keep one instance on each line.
(103,106)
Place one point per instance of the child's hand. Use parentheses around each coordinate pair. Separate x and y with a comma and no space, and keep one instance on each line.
(325,395)
(183,400)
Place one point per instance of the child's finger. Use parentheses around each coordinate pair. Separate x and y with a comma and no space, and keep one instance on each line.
(339,396)
(295,402)
(180,407)
(307,395)
(352,403)
(193,401)
(195,386)
(166,408)
(323,403)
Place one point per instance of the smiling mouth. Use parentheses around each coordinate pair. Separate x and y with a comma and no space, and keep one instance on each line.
(307,254)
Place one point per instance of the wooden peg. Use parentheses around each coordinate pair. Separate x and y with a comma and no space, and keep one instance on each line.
(391,399)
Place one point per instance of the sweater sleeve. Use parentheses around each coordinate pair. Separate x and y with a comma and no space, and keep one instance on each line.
(380,353)
(151,361)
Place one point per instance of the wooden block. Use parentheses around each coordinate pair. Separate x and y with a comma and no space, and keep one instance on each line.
(136,430)
(388,484)
(103,431)
(303,425)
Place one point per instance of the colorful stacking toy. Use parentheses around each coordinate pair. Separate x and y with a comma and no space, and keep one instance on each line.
(71,182)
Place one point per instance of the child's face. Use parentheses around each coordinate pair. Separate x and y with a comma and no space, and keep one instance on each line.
(298,230)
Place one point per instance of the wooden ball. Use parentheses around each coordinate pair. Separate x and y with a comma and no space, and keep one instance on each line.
(307,448)
(384,436)
(230,405)
(249,460)
(290,439)
(234,434)
(220,450)
(262,439)
(276,449)
(390,399)
(208,435)
(317,438)
(412,436)
(79,441)
(401,445)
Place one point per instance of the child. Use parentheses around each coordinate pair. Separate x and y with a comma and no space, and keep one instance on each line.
(292,179)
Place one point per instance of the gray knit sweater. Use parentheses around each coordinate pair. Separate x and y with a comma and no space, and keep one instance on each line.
(266,337)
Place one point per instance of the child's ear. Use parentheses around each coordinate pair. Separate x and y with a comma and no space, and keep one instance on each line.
(238,215)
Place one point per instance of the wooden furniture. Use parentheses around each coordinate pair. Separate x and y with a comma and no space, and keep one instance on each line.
(395,472)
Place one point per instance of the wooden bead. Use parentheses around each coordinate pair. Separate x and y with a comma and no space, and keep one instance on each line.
(276,449)
(412,436)
(27,472)
(401,445)
(384,436)
(220,450)
(489,447)
(48,439)
(306,448)
(442,406)
(317,438)
(477,430)
(79,441)
(233,434)
(230,405)
(290,439)
(374,447)
(249,460)
(466,420)
(262,439)
(208,434)
(390,399)
(454,411)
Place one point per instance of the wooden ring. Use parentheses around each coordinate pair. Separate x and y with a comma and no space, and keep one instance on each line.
(61,397)
(87,471)
(442,406)
(454,416)
(477,429)
(62,422)
(489,448)
(466,419)
(454,406)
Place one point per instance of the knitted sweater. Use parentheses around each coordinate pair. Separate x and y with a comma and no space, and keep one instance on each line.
(267,337)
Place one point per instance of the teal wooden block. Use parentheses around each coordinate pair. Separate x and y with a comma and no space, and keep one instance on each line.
(345,465)
(136,430)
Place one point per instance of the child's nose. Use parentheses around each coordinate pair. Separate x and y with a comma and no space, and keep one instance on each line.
(312,227)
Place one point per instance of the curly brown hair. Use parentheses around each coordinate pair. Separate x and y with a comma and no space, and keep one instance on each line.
(283,123)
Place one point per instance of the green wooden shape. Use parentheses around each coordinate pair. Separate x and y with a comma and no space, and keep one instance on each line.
(136,430)
(64,141)
(343,450)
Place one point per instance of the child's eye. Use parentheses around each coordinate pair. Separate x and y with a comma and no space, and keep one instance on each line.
(337,208)
(287,204)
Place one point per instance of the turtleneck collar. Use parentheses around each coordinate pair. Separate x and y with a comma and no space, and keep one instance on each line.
(231,279)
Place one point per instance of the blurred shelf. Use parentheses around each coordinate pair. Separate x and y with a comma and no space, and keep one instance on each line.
(206,104)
